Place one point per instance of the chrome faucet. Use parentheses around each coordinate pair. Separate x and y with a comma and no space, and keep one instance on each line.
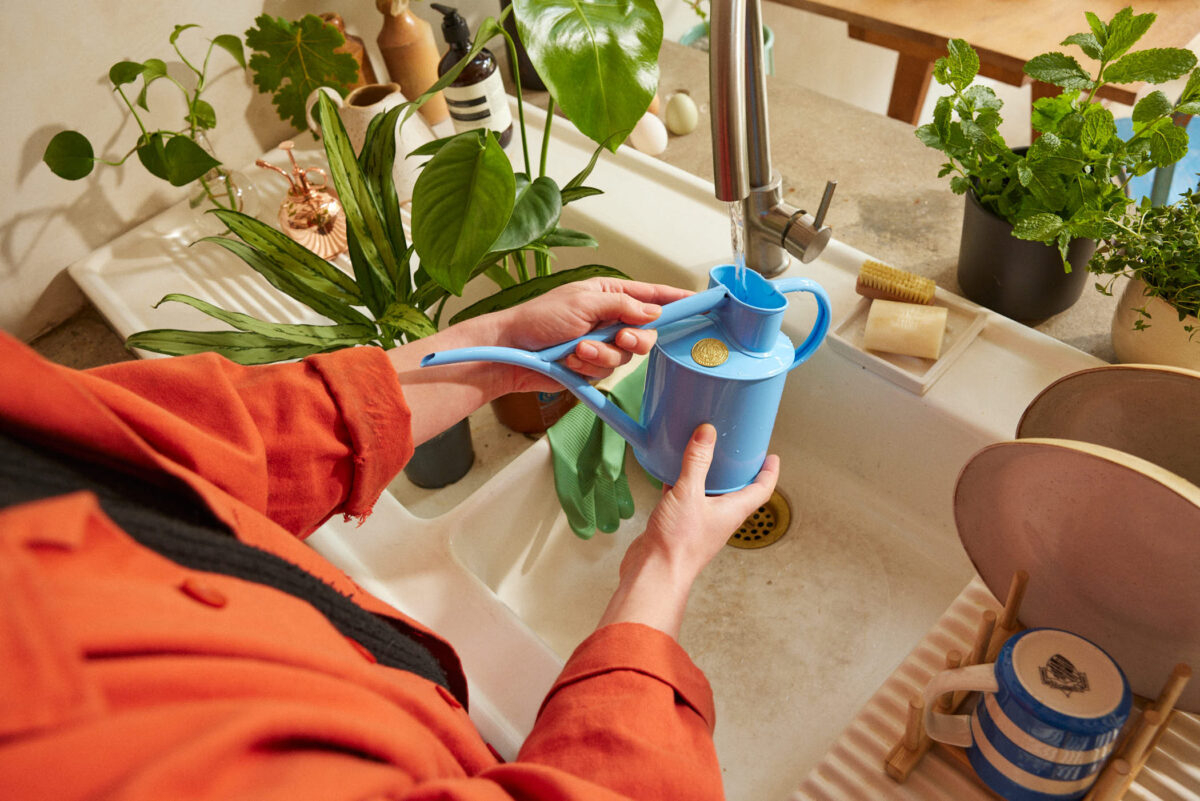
(741,150)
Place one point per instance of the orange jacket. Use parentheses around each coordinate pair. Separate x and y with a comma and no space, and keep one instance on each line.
(126,676)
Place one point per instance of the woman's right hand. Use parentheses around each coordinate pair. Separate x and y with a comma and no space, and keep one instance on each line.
(685,531)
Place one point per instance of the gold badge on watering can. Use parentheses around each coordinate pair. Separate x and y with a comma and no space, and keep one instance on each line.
(710,352)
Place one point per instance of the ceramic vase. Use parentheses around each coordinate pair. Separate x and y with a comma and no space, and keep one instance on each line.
(444,459)
(1020,279)
(1164,340)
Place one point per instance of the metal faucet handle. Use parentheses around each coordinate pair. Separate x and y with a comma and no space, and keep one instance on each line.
(826,199)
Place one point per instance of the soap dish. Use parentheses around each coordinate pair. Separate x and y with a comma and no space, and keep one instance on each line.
(963,322)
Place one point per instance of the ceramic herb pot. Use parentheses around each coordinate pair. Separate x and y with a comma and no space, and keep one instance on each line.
(443,459)
(1165,339)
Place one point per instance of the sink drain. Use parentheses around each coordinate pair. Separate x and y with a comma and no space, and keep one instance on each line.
(768,523)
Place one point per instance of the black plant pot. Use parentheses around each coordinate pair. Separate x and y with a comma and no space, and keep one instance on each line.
(1017,278)
(444,459)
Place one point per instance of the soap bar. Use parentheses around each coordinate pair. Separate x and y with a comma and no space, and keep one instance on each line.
(909,329)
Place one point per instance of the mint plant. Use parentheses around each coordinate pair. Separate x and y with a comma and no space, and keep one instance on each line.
(1161,246)
(1071,181)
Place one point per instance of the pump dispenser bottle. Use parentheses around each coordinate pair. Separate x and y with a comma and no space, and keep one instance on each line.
(476,98)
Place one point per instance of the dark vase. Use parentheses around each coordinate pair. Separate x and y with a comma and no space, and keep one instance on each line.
(1020,279)
(444,459)
(532,412)
(524,67)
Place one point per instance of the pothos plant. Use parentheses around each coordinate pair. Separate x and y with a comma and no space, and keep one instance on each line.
(178,156)
(1071,181)
(1160,245)
(488,213)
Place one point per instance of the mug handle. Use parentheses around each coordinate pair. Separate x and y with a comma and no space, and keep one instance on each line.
(817,335)
(956,729)
(311,101)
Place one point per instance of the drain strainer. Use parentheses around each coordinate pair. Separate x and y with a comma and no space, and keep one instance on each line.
(768,523)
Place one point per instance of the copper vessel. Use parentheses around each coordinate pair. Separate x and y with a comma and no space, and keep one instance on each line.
(311,213)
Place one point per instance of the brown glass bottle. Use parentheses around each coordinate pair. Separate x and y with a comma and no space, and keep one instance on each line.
(476,98)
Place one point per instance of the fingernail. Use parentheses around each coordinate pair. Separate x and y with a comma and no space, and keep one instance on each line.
(706,434)
(627,340)
(651,309)
(587,350)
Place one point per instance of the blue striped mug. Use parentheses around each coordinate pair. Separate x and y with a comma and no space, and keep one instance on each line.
(1050,713)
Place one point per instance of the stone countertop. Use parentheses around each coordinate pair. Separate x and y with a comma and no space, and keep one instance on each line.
(889,201)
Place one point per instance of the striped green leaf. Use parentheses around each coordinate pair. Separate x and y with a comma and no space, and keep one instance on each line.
(237,346)
(287,252)
(364,216)
(274,269)
(323,335)
(507,298)
(408,320)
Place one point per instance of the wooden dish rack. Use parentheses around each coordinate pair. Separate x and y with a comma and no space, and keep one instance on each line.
(1138,741)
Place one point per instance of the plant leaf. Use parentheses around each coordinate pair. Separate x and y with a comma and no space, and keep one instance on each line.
(598,59)
(568,238)
(578,193)
(1157,65)
(1098,130)
(153,69)
(202,115)
(237,346)
(291,59)
(325,336)
(1099,29)
(1058,69)
(185,161)
(233,46)
(409,320)
(69,155)
(1087,42)
(507,298)
(377,160)
(1124,29)
(124,72)
(960,65)
(461,202)
(1151,107)
(174,37)
(1038,227)
(294,257)
(535,213)
(152,152)
(1168,142)
(1042,183)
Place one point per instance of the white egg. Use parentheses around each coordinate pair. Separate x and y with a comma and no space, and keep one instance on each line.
(649,135)
(682,114)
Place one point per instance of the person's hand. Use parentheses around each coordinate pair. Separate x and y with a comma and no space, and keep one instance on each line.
(572,311)
(684,532)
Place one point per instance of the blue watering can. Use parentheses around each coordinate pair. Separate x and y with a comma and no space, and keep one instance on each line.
(720,358)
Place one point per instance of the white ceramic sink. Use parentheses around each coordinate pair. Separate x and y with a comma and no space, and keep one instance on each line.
(795,637)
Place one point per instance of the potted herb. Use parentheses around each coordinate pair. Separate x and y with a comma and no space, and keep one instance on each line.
(1158,249)
(474,215)
(1067,189)
(178,156)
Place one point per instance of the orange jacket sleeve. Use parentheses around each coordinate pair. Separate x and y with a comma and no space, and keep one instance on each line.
(297,441)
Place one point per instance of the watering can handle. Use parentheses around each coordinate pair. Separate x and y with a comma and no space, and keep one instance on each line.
(821,327)
(692,305)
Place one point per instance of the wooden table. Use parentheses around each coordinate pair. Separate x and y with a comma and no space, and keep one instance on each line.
(1005,33)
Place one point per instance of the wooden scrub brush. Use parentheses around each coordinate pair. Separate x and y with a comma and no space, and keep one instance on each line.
(878,280)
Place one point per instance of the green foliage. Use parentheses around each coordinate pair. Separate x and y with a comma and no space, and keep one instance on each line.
(292,59)
(175,156)
(599,60)
(397,307)
(1070,183)
(1161,246)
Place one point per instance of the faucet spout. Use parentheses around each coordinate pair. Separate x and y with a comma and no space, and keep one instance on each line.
(741,144)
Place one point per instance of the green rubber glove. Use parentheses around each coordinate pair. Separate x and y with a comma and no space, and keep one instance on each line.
(589,462)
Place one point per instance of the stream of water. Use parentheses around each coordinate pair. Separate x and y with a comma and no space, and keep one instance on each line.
(738,242)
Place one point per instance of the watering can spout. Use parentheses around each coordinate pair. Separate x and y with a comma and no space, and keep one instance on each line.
(631,431)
